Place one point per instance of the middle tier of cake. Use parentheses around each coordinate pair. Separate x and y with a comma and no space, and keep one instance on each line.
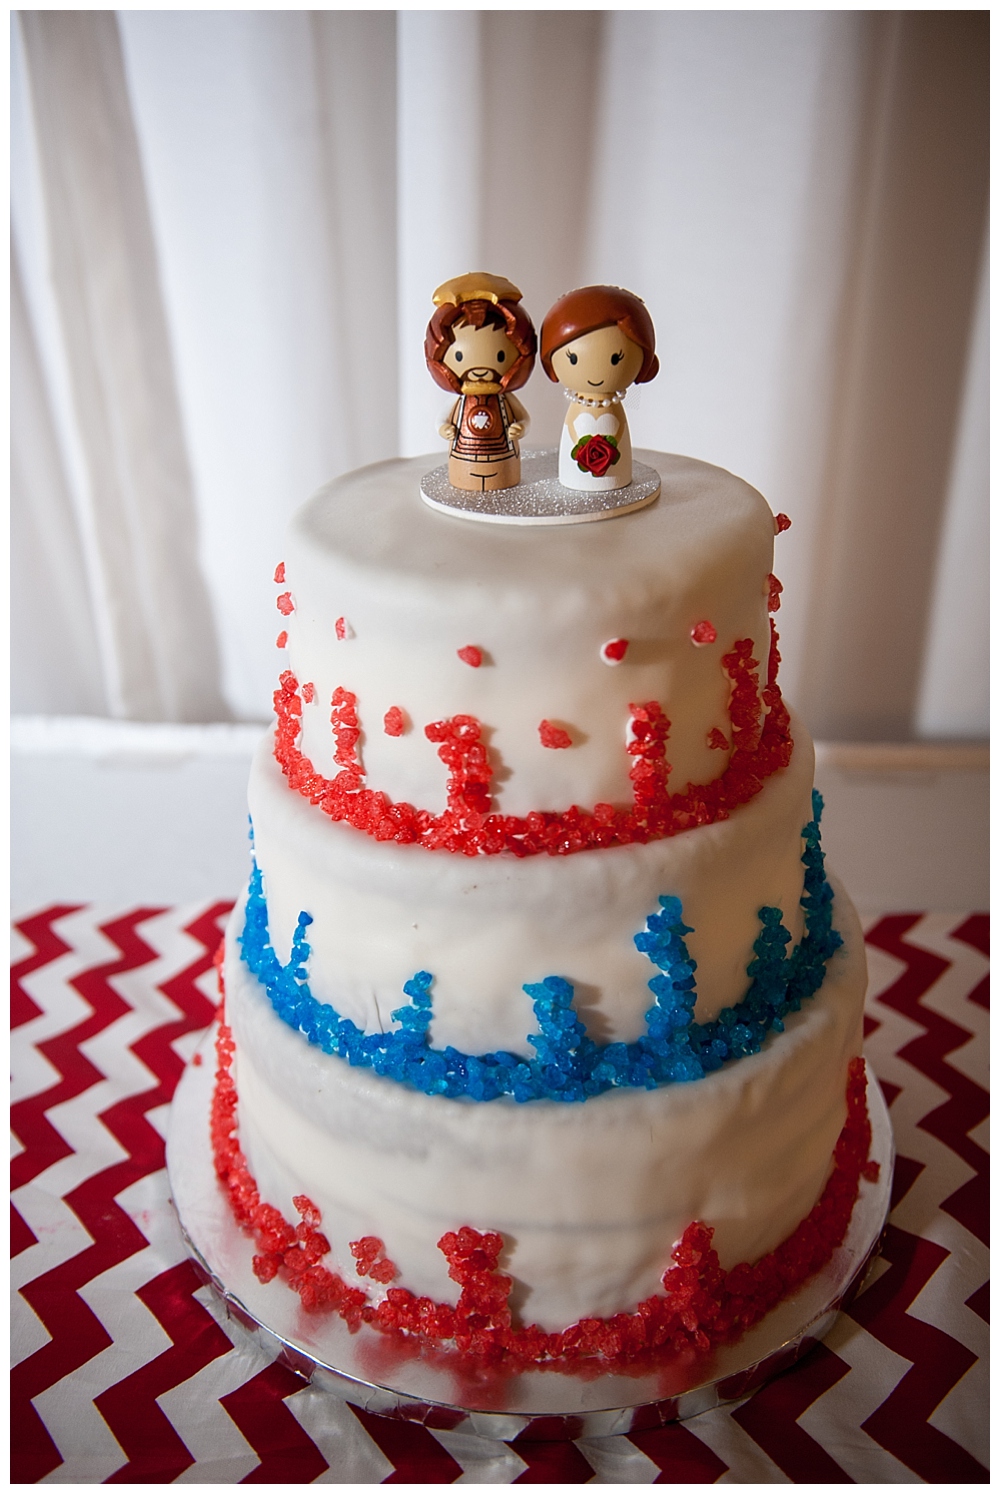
(486,926)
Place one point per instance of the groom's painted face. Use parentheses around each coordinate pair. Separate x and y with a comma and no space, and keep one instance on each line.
(480,354)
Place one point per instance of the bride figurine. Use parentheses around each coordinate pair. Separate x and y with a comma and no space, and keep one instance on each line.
(596,342)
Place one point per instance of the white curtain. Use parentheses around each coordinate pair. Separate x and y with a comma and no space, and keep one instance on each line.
(228,226)
(154,617)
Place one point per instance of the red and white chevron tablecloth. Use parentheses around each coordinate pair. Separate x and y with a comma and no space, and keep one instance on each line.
(125,1370)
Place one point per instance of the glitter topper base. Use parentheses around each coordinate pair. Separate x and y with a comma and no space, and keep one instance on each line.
(540,497)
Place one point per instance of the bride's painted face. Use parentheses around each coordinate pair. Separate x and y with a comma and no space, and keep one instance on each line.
(480,350)
(598,363)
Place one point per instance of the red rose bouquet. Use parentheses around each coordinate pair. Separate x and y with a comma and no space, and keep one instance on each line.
(595,454)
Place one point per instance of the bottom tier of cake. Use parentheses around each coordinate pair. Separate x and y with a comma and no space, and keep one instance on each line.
(584,1206)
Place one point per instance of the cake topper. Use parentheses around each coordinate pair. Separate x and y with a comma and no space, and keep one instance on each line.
(596,342)
(480,345)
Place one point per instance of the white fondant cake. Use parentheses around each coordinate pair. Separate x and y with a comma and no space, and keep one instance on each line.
(464,798)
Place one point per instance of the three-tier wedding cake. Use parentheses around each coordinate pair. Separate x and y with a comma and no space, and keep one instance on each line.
(542,1020)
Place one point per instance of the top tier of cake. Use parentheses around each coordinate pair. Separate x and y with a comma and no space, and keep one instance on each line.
(421,618)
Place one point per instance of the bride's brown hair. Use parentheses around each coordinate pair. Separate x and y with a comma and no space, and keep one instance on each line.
(596,306)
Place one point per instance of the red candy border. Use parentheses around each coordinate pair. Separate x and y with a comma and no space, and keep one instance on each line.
(702,1305)
(760,748)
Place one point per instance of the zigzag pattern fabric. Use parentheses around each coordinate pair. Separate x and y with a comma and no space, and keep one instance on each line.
(125,1370)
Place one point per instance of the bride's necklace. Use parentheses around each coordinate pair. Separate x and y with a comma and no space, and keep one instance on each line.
(595,404)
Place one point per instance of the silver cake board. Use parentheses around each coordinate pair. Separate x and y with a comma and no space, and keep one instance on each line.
(394,1378)
(539,497)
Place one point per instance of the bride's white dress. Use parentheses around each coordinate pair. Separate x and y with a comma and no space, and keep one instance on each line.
(604,424)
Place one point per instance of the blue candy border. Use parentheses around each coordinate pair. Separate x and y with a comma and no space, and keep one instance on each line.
(567,1064)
